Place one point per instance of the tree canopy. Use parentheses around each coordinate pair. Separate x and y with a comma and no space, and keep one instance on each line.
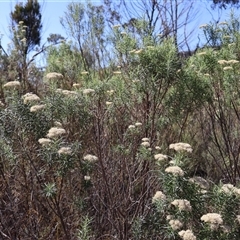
(224,3)
(30,15)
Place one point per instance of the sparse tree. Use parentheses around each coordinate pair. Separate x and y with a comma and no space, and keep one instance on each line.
(157,18)
(26,29)
(30,15)
(85,25)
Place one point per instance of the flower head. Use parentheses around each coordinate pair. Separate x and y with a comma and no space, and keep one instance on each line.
(84,73)
(55,132)
(65,150)
(138,124)
(187,235)
(203,26)
(227,37)
(222,62)
(175,170)
(175,224)
(116,26)
(54,76)
(131,126)
(12,85)
(227,68)
(44,141)
(169,217)
(138,51)
(76,85)
(69,93)
(88,91)
(108,103)
(36,108)
(30,97)
(145,144)
(181,147)
(233,61)
(214,219)
(90,158)
(117,72)
(132,51)
(230,189)
(222,23)
(201,53)
(159,196)
(1,104)
(87,178)
(238,219)
(23,40)
(160,157)
(110,92)
(58,124)
(182,204)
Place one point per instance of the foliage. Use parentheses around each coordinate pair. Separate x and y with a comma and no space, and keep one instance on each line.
(86,26)
(225,3)
(30,15)
(145,148)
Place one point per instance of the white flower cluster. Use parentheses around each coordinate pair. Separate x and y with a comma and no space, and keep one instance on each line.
(201,53)
(65,151)
(181,147)
(90,158)
(175,224)
(88,91)
(213,219)
(30,97)
(76,85)
(160,157)
(227,68)
(54,76)
(175,170)
(182,204)
(137,124)
(12,85)
(222,62)
(230,189)
(145,142)
(36,108)
(1,104)
(44,141)
(203,26)
(55,132)
(187,235)
(84,73)
(117,72)
(108,103)
(159,196)
(238,219)
(67,92)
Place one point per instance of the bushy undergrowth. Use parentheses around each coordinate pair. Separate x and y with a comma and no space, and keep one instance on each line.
(145,150)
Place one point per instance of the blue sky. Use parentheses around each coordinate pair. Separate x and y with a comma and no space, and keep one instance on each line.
(52,10)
